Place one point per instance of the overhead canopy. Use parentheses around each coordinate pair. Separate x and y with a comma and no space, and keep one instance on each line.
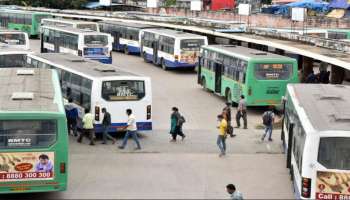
(318,6)
(339,4)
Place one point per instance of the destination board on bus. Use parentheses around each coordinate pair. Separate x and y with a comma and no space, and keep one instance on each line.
(273,71)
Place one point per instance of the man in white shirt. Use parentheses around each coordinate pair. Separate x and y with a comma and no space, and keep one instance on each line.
(234,194)
(131,130)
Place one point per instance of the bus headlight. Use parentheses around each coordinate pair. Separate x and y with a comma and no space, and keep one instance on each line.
(97,113)
(105,51)
(149,112)
(306,187)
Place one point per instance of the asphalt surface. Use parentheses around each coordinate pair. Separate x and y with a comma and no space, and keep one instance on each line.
(182,170)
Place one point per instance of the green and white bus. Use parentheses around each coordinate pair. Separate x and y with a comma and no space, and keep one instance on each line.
(33,132)
(27,21)
(231,71)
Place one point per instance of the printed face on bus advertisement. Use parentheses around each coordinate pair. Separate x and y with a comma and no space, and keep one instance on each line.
(26,166)
(332,185)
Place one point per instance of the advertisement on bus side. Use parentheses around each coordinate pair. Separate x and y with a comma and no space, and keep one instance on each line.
(333,185)
(189,57)
(26,166)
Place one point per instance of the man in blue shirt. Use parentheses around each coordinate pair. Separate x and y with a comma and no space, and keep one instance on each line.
(44,164)
(72,117)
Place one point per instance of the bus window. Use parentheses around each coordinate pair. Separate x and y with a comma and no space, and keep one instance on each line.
(13,39)
(191,44)
(27,133)
(14,60)
(87,26)
(91,40)
(334,153)
(123,90)
(273,71)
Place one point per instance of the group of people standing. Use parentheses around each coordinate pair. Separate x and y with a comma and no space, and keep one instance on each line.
(88,125)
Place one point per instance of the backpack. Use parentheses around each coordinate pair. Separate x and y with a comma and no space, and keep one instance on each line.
(267,118)
(181,120)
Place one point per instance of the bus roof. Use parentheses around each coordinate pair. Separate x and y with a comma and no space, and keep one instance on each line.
(326,106)
(6,49)
(174,33)
(27,92)
(69,20)
(83,65)
(4,30)
(133,25)
(23,11)
(74,30)
(245,52)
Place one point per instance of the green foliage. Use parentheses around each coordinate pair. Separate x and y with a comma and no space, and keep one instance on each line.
(58,4)
(169,3)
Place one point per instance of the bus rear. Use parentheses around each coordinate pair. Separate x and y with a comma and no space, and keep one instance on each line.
(329,176)
(117,95)
(97,47)
(188,51)
(267,81)
(33,155)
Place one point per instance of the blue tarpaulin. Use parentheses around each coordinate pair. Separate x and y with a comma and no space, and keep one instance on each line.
(342,4)
(93,5)
(318,6)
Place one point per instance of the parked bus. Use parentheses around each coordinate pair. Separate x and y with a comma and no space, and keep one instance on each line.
(316,136)
(127,36)
(85,43)
(170,48)
(95,86)
(27,21)
(12,57)
(14,38)
(79,24)
(33,132)
(231,71)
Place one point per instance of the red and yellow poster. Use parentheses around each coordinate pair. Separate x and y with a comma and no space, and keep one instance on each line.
(333,186)
(25,166)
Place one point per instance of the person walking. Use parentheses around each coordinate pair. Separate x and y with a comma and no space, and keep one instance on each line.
(88,127)
(268,119)
(72,117)
(131,131)
(227,113)
(176,123)
(233,192)
(106,123)
(241,112)
(221,140)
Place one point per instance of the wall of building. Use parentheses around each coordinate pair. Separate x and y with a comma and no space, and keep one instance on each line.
(259,19)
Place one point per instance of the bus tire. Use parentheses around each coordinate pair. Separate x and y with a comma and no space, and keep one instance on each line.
(126,50)
(144,56)
(228,95)
(163,64)
(204,84)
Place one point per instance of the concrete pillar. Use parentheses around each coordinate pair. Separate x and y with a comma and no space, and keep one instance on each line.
(337,75)
(306,68)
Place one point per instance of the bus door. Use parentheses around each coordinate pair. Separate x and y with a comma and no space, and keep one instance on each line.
(290,145)
(155,51)
(57,44)
(116,36)
(218,73)
(199,70)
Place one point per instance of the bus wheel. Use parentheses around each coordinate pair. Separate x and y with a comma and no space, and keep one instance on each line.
(204,84)
(126,50)
(164,65)
(144,55)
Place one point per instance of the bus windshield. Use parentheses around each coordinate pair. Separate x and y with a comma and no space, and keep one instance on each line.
(93,40)
(87,26)
(13,39)
(334,153)
(14,60)
(191,44)
(273,71)
(27,133)
(123,90)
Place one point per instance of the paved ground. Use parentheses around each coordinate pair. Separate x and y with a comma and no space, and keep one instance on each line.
(186,169)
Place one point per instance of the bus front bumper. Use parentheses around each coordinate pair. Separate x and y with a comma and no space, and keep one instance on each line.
(141,126)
